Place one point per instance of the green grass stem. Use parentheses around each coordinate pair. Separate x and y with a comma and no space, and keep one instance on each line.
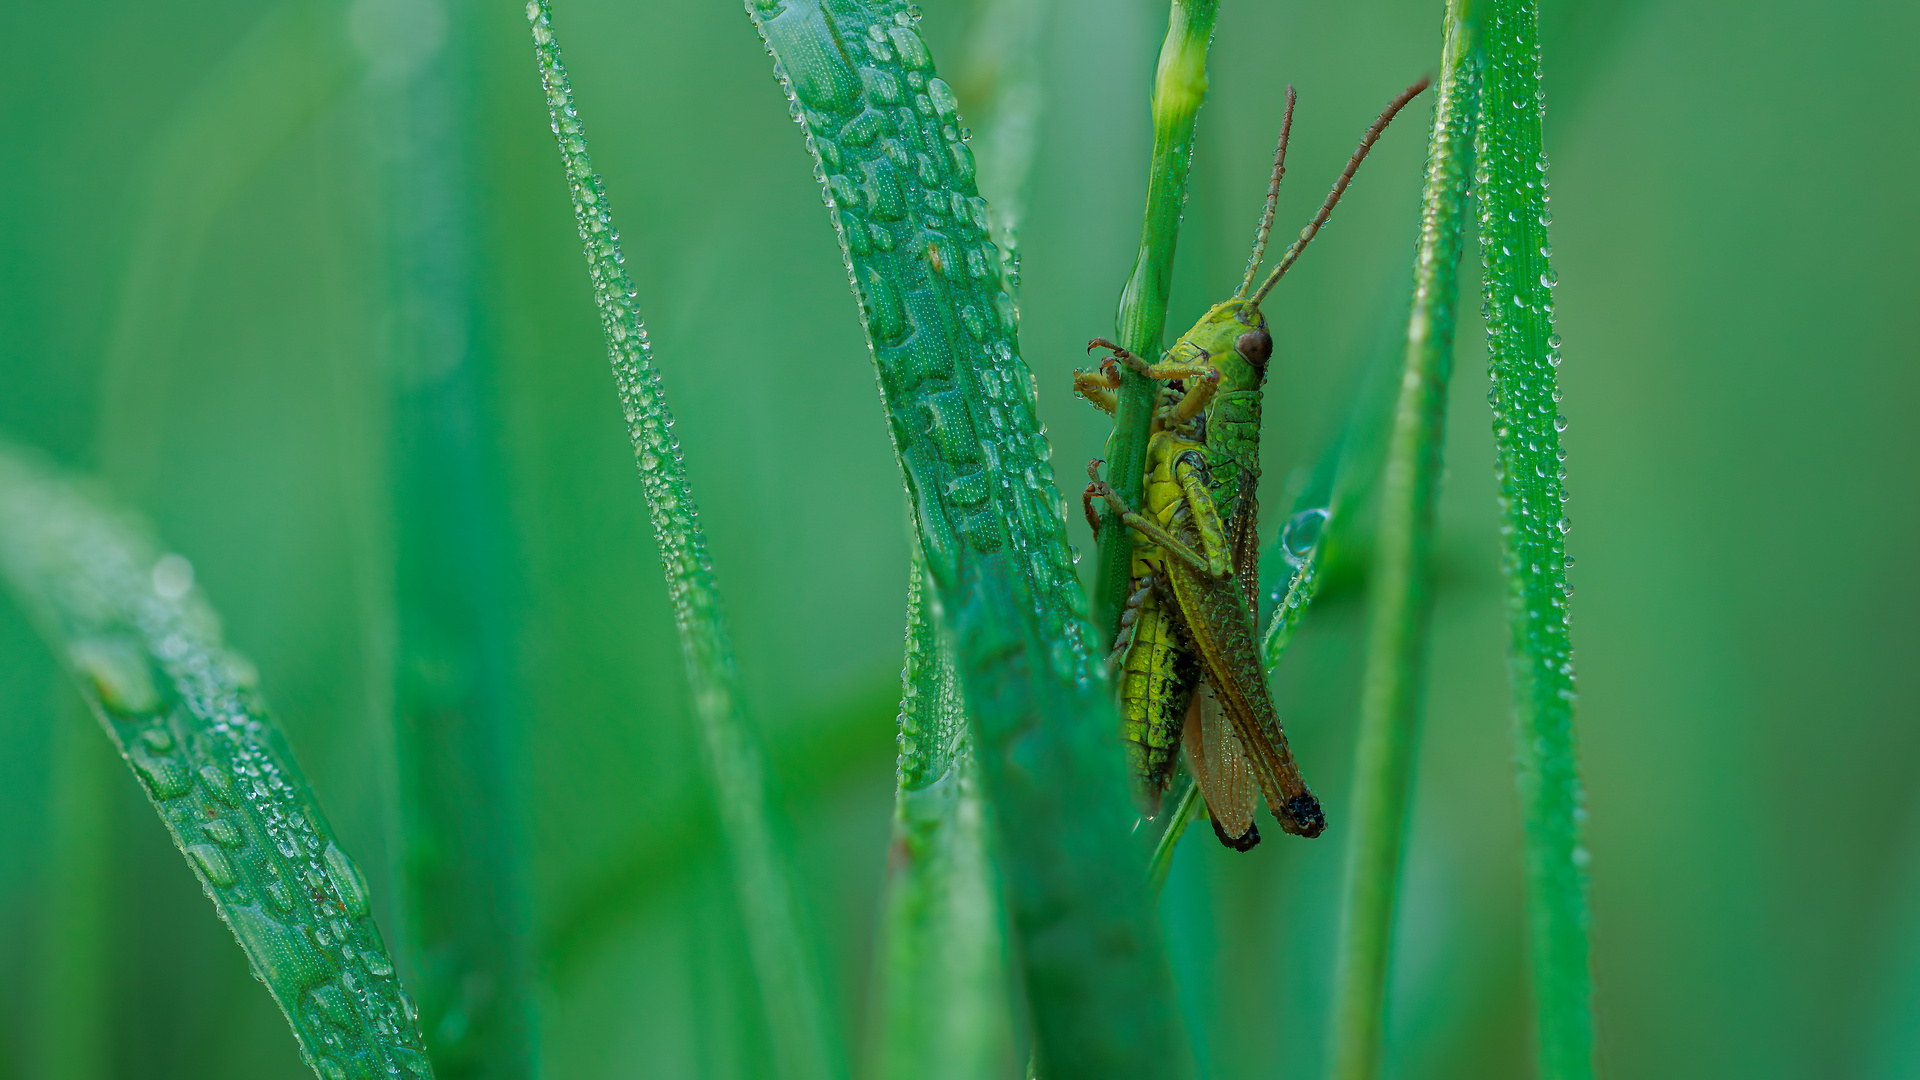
(886,135)
(946,1011)
(1525,359)
(185,714)
(805,1039)
(1179,86)
(463,882)
(1400,585)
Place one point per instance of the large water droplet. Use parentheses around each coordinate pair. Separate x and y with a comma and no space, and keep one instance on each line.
(347,881)
(168,777)
(213,863)
(118,673)
(1300,534)
(222,831)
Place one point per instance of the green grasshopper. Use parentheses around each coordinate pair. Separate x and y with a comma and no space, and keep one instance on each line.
(1190,673)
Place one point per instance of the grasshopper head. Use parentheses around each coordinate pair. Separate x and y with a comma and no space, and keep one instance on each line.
(1234,335)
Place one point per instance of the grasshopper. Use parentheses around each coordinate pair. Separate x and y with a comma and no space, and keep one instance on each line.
(1190,674)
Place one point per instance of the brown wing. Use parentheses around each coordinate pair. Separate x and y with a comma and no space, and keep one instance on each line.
(1222,769)
(1214,611)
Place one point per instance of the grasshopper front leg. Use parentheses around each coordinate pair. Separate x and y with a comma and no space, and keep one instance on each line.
(1198,372)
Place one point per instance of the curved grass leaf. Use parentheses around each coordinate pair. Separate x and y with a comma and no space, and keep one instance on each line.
(804,1038)
(184,712)
(1525,359)
(946,1013)
(899,180)
(1400,585)
(1179,86)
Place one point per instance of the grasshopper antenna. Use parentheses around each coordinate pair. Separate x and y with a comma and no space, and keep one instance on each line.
(1273,199)
(1339,189)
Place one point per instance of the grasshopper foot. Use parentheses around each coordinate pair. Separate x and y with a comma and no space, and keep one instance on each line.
(1119,353)
(1103,490)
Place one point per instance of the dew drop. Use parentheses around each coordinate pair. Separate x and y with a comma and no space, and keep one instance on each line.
(333,1005)
(213,863)
(172,577)
(167,777)
(222,831)
(118,673)
(1300,534)
(347,881)
(219,783)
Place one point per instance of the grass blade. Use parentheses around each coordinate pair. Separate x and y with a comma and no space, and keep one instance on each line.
(73,1022)
(804,1038)
(946,1012)
(1399,588)
(885,132)
(1179,86)
(1003,65)
(466,927)
(1185,809)
(1525,359)
(185,714)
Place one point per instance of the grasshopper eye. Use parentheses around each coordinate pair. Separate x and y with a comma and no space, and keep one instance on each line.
(1256,346)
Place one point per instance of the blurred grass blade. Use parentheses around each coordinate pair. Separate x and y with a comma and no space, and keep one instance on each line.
(185,715)
(462,874)
(899,179)
(1525,357)
(291,65)
(946,1007)
(1400,584)
(1179,86)
(1003,66)
(72,1019)
(805,1039)
(828,747)
(946,1011)
(1185,809)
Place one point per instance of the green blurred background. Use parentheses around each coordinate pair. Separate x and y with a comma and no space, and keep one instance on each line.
(198,304)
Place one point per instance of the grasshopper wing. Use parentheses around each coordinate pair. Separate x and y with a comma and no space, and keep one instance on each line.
(1218,624)
(1221,767)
